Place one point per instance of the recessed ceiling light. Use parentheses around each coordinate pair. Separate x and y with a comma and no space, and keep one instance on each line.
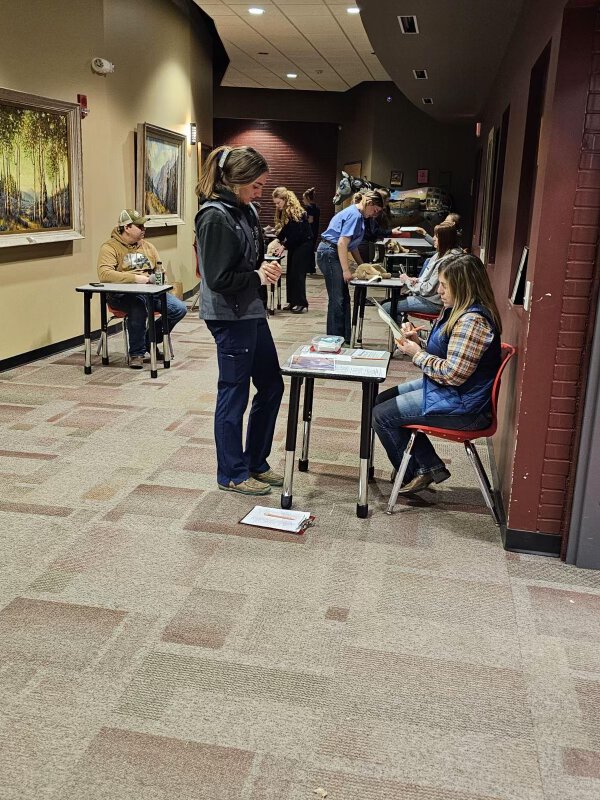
(257,11)
(420,74)
(291,75)
(428,101)
(353,10)
(263,53)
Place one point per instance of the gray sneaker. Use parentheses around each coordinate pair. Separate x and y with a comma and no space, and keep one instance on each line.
(136,362)
(249,486)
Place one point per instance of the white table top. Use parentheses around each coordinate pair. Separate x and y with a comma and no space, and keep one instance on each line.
(421,244)
(384,283)
(126,288)
(337,366)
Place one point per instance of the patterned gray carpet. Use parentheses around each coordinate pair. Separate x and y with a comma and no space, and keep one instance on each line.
(152,648)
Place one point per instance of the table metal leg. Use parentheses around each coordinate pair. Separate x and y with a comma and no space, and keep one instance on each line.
(306,418)
(357,292)
(272,298)
(165,330)
(87,332)
(372,454)
(393,314)
(362,507)
(290,442)
(361,314)
(103,328)
(152,337)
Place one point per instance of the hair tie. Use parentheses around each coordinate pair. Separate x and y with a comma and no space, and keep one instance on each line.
(224,155)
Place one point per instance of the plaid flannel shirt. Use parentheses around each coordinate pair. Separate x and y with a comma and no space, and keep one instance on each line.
(470,338)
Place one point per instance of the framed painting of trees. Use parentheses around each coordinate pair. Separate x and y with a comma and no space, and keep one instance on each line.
(160,173)
(41,188)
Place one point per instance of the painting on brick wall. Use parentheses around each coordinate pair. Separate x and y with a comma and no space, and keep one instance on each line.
(40,170)
(160,175)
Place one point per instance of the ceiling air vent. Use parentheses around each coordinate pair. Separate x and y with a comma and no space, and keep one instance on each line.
(409,24)
(420,74)
(427,101)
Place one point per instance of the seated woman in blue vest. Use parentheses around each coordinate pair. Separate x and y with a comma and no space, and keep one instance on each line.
(459,364)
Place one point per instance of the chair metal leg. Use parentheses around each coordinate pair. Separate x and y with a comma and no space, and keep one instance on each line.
(196,302)
(170,346)
(401,473)
(126,339)
(484,484)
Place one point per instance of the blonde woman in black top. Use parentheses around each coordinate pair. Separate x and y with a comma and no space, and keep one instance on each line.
(295,235)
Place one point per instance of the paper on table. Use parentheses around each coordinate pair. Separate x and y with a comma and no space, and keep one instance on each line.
(317,362)
(307,350)
(374,354)
(363,372)
(265,517)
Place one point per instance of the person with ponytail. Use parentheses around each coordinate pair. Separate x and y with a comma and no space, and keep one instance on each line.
(295,236)
(232,267)
(341,239)
(314,215)
(459,363)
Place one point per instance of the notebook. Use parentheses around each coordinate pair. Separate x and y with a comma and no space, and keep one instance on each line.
(389,321)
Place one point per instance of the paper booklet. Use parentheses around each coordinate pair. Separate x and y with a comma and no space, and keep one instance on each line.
(389,321)
(279,520)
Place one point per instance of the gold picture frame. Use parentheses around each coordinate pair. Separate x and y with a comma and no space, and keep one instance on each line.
(160,186)
(42,177)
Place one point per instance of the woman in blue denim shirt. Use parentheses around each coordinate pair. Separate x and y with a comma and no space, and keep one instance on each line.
(342,237)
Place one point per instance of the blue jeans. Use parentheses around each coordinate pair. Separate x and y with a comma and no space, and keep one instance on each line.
(136,308)
(338,308)
(413,302)
(402,405)
(245,351)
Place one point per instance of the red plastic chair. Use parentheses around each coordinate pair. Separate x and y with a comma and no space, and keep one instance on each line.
(115,314)
(466,437)
(424,315)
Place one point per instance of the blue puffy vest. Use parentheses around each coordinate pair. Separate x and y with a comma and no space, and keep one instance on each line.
(474,395)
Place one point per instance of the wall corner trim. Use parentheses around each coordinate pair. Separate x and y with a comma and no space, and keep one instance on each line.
(532,542)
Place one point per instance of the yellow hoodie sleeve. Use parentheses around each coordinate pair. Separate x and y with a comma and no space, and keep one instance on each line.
(108,263)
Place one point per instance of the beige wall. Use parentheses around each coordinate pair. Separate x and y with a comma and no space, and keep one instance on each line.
(163,75)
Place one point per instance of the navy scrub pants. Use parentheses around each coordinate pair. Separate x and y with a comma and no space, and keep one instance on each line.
(246,352)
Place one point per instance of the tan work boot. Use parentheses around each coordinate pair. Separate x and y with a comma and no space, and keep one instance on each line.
(136,362)
(248,486)
(270,477)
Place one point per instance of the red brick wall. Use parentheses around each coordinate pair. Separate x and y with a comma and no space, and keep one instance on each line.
(299,154)
(576,323)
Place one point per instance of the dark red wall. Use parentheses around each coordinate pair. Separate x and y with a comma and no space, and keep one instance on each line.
(299,154)
(542,398)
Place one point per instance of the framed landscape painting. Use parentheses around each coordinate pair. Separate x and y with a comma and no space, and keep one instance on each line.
(41,188)
(160,175)
(396,178)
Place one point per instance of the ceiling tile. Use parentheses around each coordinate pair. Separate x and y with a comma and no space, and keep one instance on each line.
(302,36)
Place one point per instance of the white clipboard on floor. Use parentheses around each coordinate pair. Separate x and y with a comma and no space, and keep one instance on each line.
(278,519)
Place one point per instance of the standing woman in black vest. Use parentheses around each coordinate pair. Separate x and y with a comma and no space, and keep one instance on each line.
(232,267)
